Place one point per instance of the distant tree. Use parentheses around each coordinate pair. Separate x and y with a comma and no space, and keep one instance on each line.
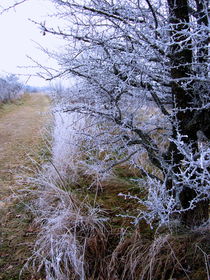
(10,88)
(3,90)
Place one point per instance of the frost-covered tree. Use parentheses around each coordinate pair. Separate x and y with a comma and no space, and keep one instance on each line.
(10,88)
(142,69)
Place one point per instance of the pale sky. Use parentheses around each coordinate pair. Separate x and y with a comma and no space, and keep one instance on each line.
(18,36)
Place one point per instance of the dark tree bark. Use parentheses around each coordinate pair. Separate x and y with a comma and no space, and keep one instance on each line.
(187,121)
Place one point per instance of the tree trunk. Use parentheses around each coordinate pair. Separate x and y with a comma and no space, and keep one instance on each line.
(186,121)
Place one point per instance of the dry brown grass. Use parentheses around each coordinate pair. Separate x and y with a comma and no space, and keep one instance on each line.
(167,257)
(75,242)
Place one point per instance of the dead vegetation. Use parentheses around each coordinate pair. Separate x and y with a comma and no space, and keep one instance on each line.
(83,232)
(81,236)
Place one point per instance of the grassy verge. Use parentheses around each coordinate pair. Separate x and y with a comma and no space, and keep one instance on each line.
(6,108)
(21,142)
(119,250)
(83,235)
(137,251)
(17,236)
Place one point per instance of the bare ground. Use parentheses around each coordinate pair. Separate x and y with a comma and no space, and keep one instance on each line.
(20,139)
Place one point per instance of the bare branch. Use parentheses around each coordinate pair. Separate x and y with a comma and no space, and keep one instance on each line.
(12,6)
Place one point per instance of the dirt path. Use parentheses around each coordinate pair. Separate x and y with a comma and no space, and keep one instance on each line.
(20,138)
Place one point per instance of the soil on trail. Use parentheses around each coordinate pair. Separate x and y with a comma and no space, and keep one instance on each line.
(20,130)
(21,127)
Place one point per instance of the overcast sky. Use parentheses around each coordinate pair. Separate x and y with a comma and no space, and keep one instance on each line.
(18,36)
